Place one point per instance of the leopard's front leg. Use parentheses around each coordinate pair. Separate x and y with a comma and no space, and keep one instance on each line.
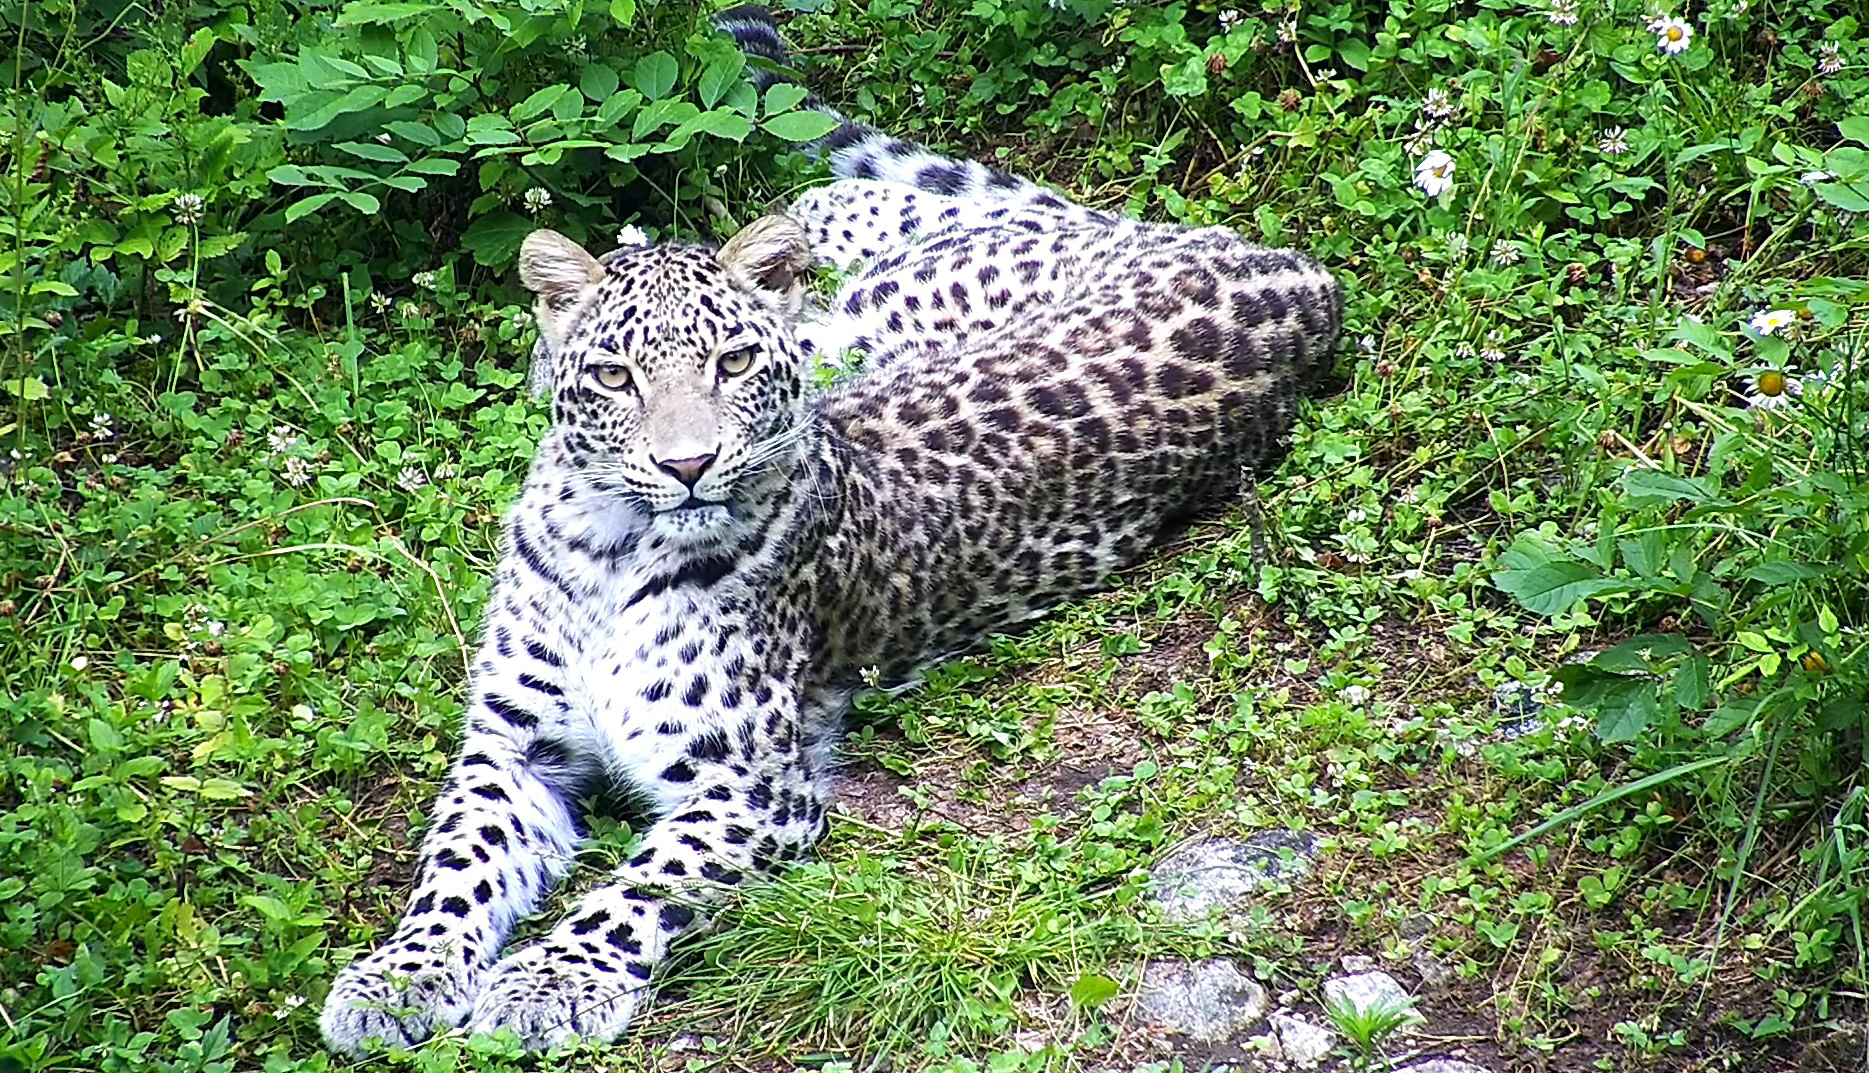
(590,975)
(500,836)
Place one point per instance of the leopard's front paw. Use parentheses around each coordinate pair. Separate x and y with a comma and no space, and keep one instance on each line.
(399,996)
(547,992)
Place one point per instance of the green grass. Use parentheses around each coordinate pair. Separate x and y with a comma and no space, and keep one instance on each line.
(241,550)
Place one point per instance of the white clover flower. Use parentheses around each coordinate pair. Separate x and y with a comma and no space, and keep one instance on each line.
(1829,58)
(632,236)
(103,426)
(1505,254)
(1356,696)
(1614,142)
(1672,36)
(380,301)
(408,311)
(522,319)
(1457,245)
(1367,344)
(1435,173)
(1420,141)
(1492,355)
(1229,19)
(295,472)
(188,209)
(1287,31)
(446,472)
(1767,322)
(1772,389)
(1562,13)
(538,199)
(424,280)
(411,479)
(1438,106)
(284,1009)
(281,440)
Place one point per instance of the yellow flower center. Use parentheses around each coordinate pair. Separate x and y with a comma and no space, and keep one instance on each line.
(1674,33)
(1772,384)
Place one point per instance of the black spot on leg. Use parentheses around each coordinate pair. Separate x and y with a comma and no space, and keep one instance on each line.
(454,907)
(483,892)
(623,937)
(676,917)
(679,771)
(586,925)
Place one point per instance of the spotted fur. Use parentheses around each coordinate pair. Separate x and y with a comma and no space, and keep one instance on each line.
(708,557)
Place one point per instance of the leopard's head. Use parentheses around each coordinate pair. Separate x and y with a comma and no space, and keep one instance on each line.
(678,385)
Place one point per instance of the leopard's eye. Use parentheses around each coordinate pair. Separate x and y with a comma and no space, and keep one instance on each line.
(736,362)
(614,377)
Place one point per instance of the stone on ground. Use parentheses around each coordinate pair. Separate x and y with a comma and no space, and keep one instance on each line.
(1367,991)
(1209,1001)
(1195,880)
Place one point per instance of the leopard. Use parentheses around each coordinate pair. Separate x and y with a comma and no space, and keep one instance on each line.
(713,552)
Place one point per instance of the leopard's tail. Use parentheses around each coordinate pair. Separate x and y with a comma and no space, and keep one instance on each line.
(859,151)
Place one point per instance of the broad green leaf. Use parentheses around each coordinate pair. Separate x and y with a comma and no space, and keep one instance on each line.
(1355,53)
(722,123)
(382,154)
(656,75)
(1850,197)
(536,104)
(720,76)
(623,11)
(598,82)
(1643,554)
(783,97)
(1628,710)
(376,12)
(494,239)
(362,202)
(1545,580)
(801,126)
(1693,683)
(1092,990)
(1781,571)
(419,133)
(1650,487)
(1855,128)
(305,206)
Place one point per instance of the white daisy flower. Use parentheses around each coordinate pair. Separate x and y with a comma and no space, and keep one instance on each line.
(411,479)
(1772,389)
(1435,173)
(188,209)
(1672,36)
(1614,142)
(1438,106)
(1829,58)
(1505,254)
(1767,322)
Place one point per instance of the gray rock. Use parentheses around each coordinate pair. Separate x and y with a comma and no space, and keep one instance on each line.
(1210,1001)
(1197,879)
(1296,1040)
(1370,991)
(1444,1065)
(1520,709)
(1437,974)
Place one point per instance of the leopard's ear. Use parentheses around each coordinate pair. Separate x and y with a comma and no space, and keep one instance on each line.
(557,270)
(770,256)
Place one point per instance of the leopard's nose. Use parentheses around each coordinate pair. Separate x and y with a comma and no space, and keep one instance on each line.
(686,470)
